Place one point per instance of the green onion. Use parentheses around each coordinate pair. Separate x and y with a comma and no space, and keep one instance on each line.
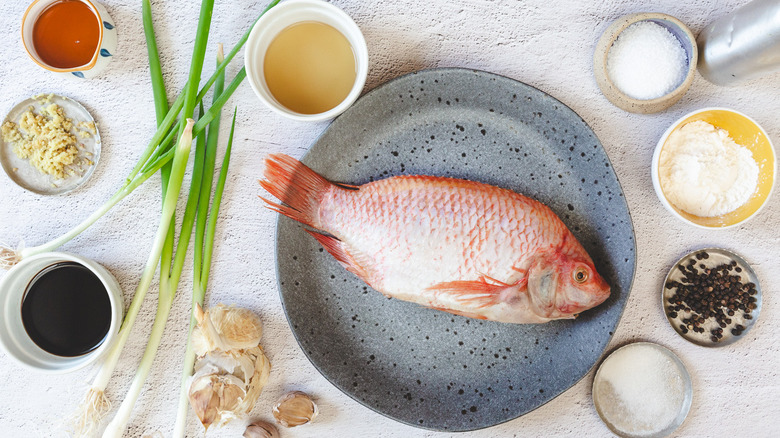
(160,109)
(170,274)
(169,279)
(171,198)
(199,195)
(201,263)
(88,417)
(155,69)
(157,155)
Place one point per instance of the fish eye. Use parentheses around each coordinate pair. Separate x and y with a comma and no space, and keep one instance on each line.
(580,275)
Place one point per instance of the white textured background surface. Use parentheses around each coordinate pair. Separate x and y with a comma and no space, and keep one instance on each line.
(547,44)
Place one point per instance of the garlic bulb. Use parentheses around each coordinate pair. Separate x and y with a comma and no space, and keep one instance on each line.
(231,369)
(294,409)
(261,429)
(225,328)
(226,385)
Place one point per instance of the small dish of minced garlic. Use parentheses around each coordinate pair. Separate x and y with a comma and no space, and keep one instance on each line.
(49,144)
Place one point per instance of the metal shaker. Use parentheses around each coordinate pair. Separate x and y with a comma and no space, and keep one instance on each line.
(742,45)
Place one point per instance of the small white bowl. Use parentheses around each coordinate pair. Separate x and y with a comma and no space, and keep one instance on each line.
(14,338)
(285,15)
(745,132)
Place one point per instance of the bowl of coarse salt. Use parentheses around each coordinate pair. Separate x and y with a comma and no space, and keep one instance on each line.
(645,62)
(714,168)
(642,390)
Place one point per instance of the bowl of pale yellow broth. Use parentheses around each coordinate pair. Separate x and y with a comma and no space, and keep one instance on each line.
(306,60)
(714,168)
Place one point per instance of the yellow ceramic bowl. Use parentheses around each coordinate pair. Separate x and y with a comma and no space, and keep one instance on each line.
(745,132)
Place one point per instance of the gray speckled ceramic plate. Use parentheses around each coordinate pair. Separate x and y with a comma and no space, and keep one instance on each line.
(429,368)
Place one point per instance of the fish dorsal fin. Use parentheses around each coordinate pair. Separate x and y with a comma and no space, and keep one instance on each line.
(477,293)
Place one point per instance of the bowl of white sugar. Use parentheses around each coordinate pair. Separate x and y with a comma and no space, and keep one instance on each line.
(714,168)
(645,62)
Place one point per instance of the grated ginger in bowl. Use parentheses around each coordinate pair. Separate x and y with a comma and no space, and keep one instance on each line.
(46,140)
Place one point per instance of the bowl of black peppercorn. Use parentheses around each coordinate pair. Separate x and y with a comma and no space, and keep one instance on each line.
(711,297)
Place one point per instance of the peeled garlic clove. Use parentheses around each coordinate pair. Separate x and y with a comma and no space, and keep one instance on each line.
(294,409)
(261,429)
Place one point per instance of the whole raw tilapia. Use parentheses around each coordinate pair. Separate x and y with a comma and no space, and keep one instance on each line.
(463,247)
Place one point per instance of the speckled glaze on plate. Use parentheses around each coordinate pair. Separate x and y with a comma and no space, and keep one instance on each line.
(428,368)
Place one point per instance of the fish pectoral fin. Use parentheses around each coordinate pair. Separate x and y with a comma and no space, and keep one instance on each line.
(479,294)
(336,248)
(521,283)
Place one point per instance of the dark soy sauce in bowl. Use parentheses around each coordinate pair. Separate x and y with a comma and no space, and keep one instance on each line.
(66,310)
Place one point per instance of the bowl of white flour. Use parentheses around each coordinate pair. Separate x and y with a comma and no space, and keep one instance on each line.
(714,168)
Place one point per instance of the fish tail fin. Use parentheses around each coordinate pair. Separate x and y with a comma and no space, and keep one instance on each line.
(336,248)
(299,188)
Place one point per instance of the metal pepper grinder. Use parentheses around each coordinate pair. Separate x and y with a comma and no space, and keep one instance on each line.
(742,45)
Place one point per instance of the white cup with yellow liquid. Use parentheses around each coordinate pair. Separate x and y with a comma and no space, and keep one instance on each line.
(306,60)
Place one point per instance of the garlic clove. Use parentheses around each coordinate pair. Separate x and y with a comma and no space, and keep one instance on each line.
(238,363)
(233,391)
(199,340)
(204,400)
(261,429)
(294,409)
(200,315)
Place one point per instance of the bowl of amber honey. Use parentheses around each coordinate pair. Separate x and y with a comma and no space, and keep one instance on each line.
(76,38)
(306,60)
